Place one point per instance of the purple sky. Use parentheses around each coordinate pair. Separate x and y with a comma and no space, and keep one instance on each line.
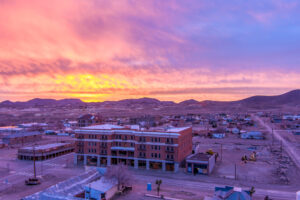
(170,50)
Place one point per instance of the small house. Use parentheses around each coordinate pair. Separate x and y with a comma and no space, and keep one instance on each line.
(200,163)
(231,193)
(218,135)
(252,135)
(101,189)
(235,131)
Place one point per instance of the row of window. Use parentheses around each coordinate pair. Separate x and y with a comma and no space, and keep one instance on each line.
(104,137)
(92,144)
(92,150)
(103,152)
(171,157)
(141,154)
(155,147)
(155,139)
(92,136)
(155,155)
(125,137)
(142,139)
(170,140)
(119,144)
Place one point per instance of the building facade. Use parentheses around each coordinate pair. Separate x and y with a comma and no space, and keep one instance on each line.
(21,138)
(44,152)
(103,145)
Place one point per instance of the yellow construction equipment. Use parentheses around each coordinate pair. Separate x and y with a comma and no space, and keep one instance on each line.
(210,152)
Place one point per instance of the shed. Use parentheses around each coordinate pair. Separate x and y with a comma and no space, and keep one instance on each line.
(201,163)
(101,189)
(218,135)
(252,135)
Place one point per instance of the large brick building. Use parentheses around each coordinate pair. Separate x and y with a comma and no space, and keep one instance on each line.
(44,152)
(103,145)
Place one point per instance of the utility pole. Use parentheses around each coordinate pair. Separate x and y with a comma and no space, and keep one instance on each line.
(281,149)
(272,137)
(34,171)
(221,152)
(235,172)
(42,163)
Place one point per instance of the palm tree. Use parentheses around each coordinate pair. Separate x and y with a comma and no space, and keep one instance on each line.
(158,182)
(252,191)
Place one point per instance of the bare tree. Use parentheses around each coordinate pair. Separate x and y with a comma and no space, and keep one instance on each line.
(120,174)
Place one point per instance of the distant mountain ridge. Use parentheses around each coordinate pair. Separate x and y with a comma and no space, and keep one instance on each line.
(291,98)
(37,102)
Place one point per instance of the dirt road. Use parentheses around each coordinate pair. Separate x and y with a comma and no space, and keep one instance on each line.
(289,148)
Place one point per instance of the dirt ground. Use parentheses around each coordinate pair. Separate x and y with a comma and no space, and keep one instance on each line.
(273,166)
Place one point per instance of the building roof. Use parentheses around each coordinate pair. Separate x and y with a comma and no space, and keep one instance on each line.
(176,130)
(28,125)
(10,128)
(104,127)
(17,135)
(199,156)
(231,193)
(102,185)
(86,116)
(254,133)
(45,146)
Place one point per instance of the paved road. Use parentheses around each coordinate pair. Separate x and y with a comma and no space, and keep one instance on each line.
(289,148)
(42,168)
(204,188)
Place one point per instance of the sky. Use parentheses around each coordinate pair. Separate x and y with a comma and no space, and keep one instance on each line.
(99,50)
